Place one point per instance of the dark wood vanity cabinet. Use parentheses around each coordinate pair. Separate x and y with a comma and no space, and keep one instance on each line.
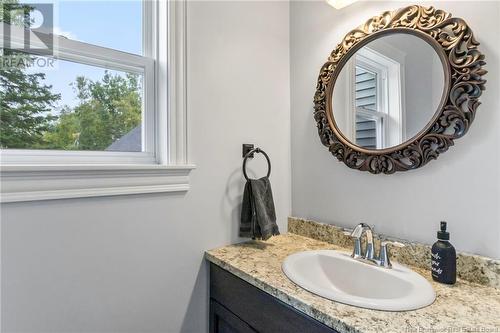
(238,307)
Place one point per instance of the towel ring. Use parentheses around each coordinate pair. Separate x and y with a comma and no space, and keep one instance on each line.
(256,150)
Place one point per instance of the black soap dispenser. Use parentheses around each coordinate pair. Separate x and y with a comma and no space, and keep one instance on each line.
(444,258)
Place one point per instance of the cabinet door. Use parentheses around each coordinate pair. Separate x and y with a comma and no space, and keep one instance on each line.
(260,311)
(224,321)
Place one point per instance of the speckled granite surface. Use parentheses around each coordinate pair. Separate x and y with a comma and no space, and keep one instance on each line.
(464,307)
(470,267)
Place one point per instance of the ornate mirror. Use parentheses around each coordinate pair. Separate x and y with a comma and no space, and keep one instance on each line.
(398,90)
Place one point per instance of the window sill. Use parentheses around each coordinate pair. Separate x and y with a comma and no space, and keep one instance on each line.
(48,182)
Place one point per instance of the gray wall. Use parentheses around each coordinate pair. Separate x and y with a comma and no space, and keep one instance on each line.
(462,186)
(135,263)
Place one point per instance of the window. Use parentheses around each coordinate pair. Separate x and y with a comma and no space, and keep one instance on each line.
(377,93)
(369,116)
(79,96)
(74,106)
(100,100)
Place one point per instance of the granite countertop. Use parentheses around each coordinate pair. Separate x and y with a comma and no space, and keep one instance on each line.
(463,307)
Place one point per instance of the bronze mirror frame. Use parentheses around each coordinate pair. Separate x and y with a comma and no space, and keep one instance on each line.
(463,63)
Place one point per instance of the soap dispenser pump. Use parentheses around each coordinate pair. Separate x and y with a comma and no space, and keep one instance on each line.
(444,258)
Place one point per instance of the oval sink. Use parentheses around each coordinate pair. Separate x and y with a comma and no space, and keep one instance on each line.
(337,276)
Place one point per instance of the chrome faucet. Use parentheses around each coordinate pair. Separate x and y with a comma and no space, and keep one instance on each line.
(368,255)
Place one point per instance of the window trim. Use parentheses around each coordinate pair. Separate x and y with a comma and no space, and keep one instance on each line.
(58,174)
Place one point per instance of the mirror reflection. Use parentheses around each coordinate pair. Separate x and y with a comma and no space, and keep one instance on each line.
(388,91)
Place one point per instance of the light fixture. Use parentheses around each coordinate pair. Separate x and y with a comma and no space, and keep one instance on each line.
(339,4)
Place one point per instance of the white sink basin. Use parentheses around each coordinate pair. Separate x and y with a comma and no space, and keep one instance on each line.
(337,276)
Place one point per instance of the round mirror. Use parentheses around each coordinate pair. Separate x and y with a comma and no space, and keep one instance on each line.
(398,89)
(388,91)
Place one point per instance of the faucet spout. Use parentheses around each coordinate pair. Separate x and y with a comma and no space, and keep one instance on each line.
(358,231)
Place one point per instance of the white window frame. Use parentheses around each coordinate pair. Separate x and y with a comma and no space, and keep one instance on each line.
(390,116)
(28,175)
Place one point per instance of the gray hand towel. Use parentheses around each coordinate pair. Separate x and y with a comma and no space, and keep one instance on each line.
(258,217)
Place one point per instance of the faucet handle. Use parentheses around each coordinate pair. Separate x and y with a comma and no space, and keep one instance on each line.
(393,243)
(384,252)
(356,252)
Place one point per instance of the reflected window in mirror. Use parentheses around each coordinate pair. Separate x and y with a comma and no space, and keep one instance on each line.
(374,106)
(375,91)
(369,131)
